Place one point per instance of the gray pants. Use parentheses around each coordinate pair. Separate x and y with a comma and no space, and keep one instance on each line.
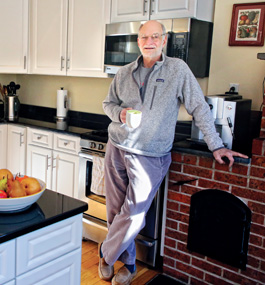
(131,183)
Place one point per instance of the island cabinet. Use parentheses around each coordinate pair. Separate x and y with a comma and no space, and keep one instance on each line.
(14,34)
(67,37)
(42,244)
(53,158)
(143,10)
(7,262)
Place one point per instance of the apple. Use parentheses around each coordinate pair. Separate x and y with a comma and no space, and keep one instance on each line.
(3,194)
(3,184)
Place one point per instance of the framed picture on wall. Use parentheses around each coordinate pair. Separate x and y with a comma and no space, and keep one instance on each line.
(247,24)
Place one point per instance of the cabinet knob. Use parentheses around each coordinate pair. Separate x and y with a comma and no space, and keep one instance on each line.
(39,137)
(65,143)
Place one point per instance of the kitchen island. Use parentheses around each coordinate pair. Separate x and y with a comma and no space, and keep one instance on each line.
(42,243)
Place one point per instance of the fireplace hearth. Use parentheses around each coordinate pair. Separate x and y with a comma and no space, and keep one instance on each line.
(219,227)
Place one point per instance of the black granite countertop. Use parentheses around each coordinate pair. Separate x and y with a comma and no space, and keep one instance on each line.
(183,144)
(52,126)
(52,207)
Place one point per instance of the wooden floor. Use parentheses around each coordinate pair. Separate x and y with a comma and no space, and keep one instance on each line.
(89,267)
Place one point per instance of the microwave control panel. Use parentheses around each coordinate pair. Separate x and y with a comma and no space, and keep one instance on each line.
(178,45)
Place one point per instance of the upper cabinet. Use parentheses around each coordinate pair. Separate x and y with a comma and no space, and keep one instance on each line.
(67,37)
(143,10)
(14,34)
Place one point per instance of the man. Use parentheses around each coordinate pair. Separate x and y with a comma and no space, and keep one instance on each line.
(137,159)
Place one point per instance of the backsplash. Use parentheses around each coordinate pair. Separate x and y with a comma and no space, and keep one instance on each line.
(75,118)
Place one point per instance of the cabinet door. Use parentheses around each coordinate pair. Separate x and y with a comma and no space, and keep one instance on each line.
(63,270)
(3,146)
(164,9)
(129,10)
(86,37)
(14,35)
(16,149)
(48,31)
(65,173)
(39,164)
(7,261)
(40,247)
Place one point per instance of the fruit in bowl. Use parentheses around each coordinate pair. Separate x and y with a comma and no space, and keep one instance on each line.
(17,186)
(18,192)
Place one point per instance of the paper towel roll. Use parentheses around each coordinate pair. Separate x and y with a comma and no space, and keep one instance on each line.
(62,103)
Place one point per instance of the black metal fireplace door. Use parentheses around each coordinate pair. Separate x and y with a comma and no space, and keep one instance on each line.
(219,227)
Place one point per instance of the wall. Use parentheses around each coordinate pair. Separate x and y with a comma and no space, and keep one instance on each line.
(232,64)
(86,94)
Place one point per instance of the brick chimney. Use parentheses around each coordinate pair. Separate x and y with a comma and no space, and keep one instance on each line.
(245,181)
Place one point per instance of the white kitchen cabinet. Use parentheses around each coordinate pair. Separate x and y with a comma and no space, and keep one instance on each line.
(143,10)
(67,37)
(14,35)
(65,173)
(39,164)
(50,255)
(53,158)
(3,146)
(16,148)
(39,247)
(7,262)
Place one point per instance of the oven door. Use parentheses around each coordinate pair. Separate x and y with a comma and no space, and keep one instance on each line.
(96,203)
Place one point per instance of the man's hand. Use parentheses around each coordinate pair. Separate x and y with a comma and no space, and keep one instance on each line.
(123,114)
(224,152)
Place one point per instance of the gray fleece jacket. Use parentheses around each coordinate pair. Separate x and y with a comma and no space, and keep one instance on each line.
(170,83)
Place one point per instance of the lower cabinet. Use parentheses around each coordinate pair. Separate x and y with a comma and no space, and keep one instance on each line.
(57,164)
(7,262)
(65,173)
(3,146)
(51,255)
(16,148)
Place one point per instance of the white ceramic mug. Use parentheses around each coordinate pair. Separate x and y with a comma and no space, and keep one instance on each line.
(133,118)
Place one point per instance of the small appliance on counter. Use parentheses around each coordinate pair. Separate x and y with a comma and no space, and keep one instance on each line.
(11,102)
(62,109)
(232,121)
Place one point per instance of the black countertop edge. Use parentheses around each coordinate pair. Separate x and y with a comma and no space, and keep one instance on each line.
(35,227)
(44,125)
(52,207)
(206,154)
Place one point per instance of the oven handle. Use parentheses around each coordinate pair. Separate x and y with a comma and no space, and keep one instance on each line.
(89,154)
(86,156)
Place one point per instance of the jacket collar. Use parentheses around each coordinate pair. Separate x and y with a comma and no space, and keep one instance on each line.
(139,60)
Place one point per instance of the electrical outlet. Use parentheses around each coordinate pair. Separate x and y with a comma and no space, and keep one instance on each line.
(236,85)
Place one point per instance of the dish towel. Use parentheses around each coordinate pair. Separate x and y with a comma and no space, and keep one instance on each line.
(97,184)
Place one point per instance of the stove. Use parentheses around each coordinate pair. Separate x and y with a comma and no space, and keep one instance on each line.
(94,140)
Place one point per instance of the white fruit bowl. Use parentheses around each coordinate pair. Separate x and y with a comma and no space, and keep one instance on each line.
(21,203)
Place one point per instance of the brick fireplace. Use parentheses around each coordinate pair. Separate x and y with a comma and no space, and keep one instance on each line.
(245,181)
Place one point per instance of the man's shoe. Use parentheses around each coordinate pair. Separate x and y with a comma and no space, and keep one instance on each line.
(123,277)
(105,271)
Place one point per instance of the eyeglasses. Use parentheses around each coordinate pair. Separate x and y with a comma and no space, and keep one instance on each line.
(154,37)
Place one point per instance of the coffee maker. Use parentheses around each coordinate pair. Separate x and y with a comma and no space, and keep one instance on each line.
(231,115)
(11,102)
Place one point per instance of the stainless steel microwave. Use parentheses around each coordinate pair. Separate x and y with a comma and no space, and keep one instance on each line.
(188,39)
